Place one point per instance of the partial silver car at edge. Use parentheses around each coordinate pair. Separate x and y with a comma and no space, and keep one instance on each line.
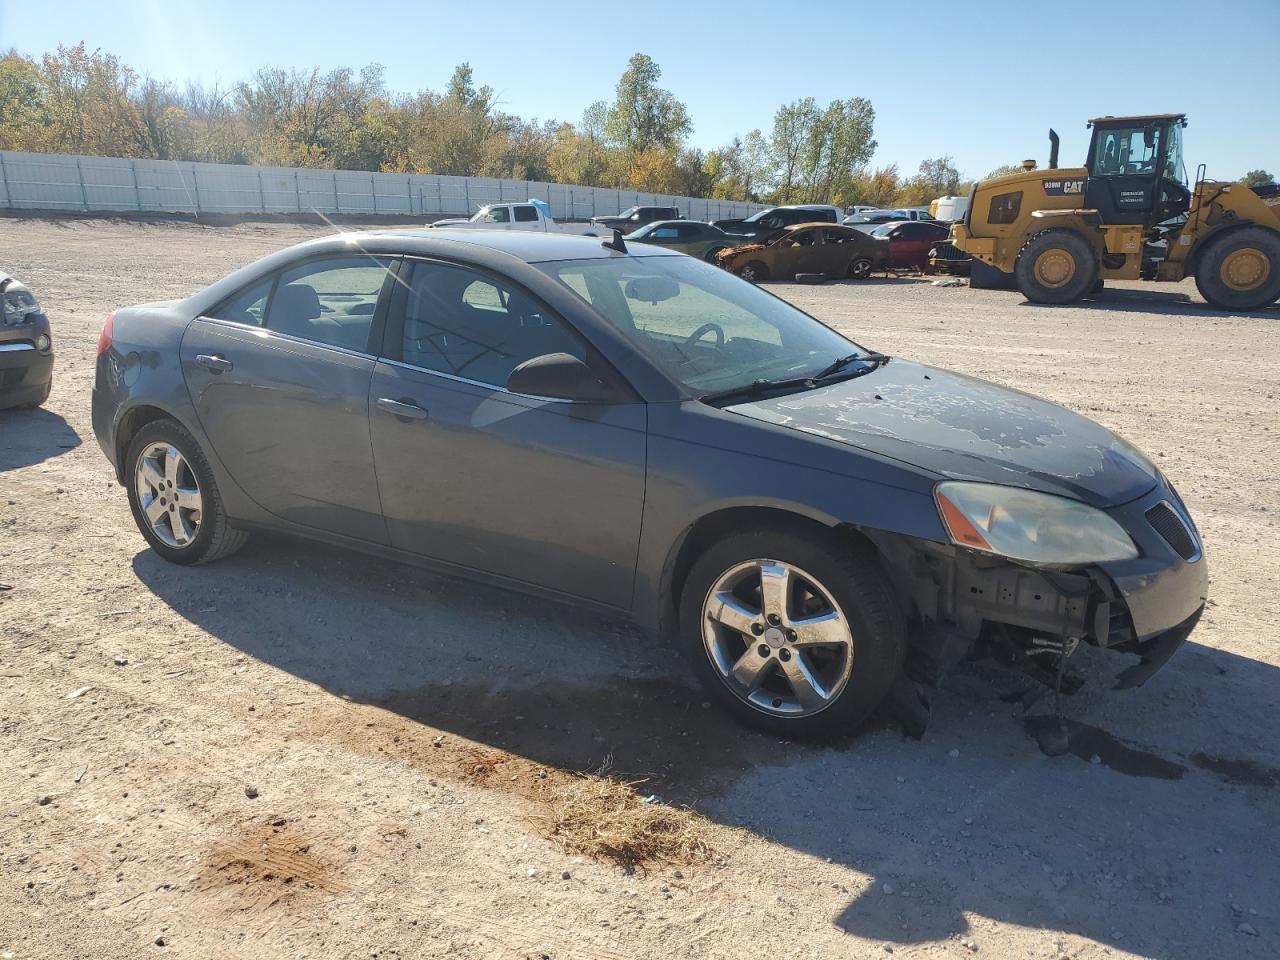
(627,427)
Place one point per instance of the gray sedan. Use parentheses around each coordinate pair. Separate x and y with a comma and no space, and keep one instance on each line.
(621,426)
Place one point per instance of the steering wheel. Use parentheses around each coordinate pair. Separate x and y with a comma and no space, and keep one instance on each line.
(703,331)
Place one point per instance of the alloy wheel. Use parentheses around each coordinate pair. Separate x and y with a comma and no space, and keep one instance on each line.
(168,494)
(777,638)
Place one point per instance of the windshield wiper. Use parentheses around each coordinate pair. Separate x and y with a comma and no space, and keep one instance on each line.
(873,358)
(757,388)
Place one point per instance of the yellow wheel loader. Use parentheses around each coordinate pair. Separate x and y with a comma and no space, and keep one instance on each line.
(1128,214)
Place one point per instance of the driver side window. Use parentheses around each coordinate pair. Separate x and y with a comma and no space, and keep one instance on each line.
(465,324)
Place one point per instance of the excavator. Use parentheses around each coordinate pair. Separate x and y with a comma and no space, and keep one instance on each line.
(1127,214)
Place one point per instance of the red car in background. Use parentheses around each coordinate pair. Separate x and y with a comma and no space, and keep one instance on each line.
(911,240)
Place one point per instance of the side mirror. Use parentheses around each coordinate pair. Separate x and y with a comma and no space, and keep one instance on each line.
(560,376)
(651,289)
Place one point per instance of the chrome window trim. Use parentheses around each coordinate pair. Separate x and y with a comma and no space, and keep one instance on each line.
(16,347)
(473,383)
(266,333)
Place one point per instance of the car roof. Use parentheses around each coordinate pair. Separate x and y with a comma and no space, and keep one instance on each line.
(526,245)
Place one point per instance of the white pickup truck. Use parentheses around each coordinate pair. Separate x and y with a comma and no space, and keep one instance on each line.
(532,215)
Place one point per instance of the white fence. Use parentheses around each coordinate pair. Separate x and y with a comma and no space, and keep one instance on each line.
(39,181)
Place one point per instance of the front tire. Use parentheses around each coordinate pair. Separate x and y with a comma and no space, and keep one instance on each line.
(173,496)
(1241,271)
(1056,266)
(753,271)
(712,254)
(800,636)
(860,268)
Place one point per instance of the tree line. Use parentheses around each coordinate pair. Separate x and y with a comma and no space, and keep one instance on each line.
(88,102)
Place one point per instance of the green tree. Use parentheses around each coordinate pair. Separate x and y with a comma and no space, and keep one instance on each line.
(462,89)
(1004,171)
(817,151)
(24,120)
(644,115)
(1257,178)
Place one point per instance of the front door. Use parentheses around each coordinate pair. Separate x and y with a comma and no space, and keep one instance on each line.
(279,375)
(541,491)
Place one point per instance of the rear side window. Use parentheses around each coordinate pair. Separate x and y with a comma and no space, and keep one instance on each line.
(329,301)
(526,214)
(248,306)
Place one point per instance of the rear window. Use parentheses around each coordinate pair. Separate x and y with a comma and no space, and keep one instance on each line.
(526,214)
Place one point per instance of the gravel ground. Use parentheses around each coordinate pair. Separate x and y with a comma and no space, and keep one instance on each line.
(299,752)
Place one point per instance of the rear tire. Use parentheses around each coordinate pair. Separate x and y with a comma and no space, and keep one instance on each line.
(835,583)
(1241,271)
(1056,266)
(191,523)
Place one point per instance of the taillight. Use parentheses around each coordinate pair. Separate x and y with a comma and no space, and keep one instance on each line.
(104,339)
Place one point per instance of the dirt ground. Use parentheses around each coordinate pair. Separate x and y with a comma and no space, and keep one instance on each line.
(411,742)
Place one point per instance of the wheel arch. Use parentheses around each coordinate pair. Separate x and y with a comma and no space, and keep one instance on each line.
(1217,234)
(133,420)
(713,526)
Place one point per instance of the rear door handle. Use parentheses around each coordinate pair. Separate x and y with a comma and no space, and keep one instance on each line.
(403,409)
(214,362)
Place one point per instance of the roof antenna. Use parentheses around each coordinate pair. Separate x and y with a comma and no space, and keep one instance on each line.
(616,243)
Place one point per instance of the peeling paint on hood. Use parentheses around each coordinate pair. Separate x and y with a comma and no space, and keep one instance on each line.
(967,429)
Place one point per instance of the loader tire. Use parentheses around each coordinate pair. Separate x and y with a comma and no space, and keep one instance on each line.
(1241,270)
(1056,266)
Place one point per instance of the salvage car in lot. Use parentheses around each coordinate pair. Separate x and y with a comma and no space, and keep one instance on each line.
(26,347)
(624,427)
(910,241)
(701,240)
(827,249)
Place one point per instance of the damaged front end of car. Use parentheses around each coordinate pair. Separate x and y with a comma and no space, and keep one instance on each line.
(1142,593)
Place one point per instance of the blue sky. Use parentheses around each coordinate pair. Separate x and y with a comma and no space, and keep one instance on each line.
(981,81)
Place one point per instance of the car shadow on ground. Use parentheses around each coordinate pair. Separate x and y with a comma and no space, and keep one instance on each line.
(32,436)
(1151,837)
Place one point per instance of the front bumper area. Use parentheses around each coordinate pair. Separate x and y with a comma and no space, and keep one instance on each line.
(1146,606)
(25,372)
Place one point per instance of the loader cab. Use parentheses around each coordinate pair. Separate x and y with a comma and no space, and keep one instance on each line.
(1136,173)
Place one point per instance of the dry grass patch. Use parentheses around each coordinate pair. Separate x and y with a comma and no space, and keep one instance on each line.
(605,819)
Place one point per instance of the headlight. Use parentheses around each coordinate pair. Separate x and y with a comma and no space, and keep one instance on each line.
(43,343)
(18,305)
(1025,525)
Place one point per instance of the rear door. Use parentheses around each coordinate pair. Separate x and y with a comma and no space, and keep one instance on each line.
(543,491)
(279,375)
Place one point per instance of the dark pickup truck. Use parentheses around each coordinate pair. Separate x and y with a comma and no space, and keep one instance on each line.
(765,223)
(636,217)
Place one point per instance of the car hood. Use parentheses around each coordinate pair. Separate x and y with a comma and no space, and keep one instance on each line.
(963,428)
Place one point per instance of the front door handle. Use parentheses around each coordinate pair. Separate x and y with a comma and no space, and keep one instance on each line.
(404,409)
(214,362)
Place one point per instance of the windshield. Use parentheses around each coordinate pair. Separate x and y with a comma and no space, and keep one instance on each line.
(641,232)
(490,215)
(1174,169)
(755,217)
(702,326)
(627,212)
